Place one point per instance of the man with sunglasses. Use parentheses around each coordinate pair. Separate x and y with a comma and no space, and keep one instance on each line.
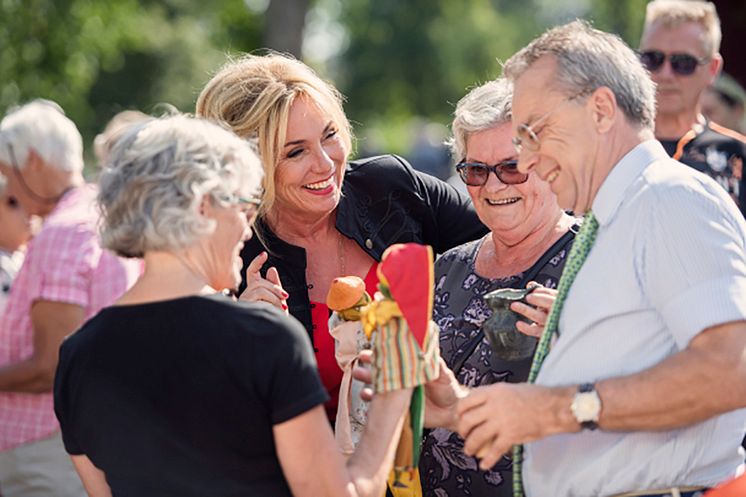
(65,279)
(679,46)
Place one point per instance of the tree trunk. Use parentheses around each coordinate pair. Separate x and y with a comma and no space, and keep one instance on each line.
(283,25)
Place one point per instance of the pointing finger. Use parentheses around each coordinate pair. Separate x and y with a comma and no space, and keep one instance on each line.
(252,271)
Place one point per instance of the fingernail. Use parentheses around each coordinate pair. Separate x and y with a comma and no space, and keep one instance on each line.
(284,307)
(285,294)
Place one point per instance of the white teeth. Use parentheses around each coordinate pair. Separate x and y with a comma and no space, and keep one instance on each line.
(503,201)
(552,176)
(320,185)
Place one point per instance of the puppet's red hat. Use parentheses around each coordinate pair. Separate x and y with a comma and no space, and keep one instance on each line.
(407,270)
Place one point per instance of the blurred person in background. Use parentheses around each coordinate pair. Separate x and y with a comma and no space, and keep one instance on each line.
(114,130)
(429,153)
(680,47)
(223,397)
(529,239)
(15,232)
(65,279)
(322,217)
(723,102)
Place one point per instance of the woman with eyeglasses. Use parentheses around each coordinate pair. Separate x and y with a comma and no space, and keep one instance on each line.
(529,239)
(321,216)
(177,389)
(15,232)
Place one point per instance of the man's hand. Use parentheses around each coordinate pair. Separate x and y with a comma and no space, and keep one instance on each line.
(493,418)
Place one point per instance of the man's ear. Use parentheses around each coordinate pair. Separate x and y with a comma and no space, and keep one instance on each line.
(604,107)
(714,67)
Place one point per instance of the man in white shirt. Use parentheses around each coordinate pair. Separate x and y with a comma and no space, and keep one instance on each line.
(642,388)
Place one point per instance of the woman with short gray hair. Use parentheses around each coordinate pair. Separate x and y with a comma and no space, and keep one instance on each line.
(177,389)
(528,241)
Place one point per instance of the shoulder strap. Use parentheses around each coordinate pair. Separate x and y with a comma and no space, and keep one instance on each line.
(556,247)
(528,276)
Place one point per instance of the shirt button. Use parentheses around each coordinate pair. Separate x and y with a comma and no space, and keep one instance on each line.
(369,243)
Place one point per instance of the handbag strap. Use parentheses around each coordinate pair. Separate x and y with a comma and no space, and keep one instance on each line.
(527,277)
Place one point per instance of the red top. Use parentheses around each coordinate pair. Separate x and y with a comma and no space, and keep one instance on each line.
(331,373)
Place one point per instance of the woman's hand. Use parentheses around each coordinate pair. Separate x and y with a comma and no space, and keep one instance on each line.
(267,289)
(441,395)
(541,301)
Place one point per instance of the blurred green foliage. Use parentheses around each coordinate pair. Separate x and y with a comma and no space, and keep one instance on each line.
(96,58)
(397,60)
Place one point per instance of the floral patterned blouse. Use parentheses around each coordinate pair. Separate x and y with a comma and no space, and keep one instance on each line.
(459,311)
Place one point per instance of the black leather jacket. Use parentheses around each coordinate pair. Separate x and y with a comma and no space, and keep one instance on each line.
(384,201)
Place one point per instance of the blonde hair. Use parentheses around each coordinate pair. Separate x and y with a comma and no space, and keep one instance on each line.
(672,13)
(115,129)
(253,95)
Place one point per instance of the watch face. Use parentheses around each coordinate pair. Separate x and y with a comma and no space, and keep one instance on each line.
(586,406)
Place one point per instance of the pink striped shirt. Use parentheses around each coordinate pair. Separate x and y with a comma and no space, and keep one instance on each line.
(64,263)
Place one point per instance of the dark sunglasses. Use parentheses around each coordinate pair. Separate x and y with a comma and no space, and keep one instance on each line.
(476,174)
(681,63)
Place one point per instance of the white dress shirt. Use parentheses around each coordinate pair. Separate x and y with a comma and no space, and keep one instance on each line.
(669,261)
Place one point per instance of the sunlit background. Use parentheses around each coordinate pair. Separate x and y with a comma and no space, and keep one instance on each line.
(402,64)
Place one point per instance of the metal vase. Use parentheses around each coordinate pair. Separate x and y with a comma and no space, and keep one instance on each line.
(507,342)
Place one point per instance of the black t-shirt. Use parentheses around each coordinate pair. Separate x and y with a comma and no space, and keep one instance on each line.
(716,151)
(178,398)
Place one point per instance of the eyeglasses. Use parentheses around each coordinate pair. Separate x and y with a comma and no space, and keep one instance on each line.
(248,205)
(477,174)
(682,64)
(527,138)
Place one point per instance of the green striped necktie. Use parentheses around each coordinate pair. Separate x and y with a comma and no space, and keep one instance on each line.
(580,249)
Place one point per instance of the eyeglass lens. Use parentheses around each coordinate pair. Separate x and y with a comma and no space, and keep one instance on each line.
(477,174)
(681,63)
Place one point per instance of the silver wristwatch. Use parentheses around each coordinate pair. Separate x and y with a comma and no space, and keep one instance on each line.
(586,406)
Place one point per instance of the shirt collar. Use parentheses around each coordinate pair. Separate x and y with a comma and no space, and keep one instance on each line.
(613,190)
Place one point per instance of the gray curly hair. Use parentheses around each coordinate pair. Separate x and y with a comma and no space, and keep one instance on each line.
(157,176)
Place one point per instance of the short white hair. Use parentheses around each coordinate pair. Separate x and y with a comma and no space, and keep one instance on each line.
(673,13)
(484,107)
(158,174)
(41,126)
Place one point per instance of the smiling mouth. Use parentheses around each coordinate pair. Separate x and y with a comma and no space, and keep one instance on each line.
(552,176)
(503,201)
(321,184)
